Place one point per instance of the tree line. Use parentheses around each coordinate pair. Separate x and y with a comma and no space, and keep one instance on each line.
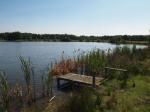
(18,36)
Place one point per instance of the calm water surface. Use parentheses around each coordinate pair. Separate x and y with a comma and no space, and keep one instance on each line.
(41,55)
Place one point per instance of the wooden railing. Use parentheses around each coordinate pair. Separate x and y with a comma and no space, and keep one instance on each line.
(114,69)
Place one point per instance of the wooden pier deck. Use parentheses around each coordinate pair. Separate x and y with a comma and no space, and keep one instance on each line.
(80,79)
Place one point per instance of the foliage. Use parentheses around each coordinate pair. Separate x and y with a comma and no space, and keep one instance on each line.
(17,36)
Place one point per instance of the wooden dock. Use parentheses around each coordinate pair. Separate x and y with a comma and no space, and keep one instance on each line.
(88,80)
(80,79)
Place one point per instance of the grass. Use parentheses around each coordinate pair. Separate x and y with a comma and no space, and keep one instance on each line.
(36,107)
(131,99)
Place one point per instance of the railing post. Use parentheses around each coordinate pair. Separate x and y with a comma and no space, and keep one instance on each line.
(105,72)
(126,77)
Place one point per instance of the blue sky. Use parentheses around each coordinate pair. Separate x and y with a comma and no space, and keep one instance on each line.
(79,17)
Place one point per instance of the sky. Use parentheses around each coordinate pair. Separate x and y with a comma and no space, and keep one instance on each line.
(78,17)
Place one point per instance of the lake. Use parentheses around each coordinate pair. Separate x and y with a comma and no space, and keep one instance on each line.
(41,55)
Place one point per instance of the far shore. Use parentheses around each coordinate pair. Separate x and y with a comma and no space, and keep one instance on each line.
(126,42)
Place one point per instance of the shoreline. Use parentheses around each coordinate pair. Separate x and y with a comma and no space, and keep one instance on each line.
(127,42)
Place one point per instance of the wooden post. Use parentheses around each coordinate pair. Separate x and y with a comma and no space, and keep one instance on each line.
(105,73)
(94,81)
(58,83)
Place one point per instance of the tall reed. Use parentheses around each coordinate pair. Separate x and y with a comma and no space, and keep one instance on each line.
(34,88)
(43,84)
(4,87)
(27,70)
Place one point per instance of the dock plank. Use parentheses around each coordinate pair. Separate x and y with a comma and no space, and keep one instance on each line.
(83,79)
